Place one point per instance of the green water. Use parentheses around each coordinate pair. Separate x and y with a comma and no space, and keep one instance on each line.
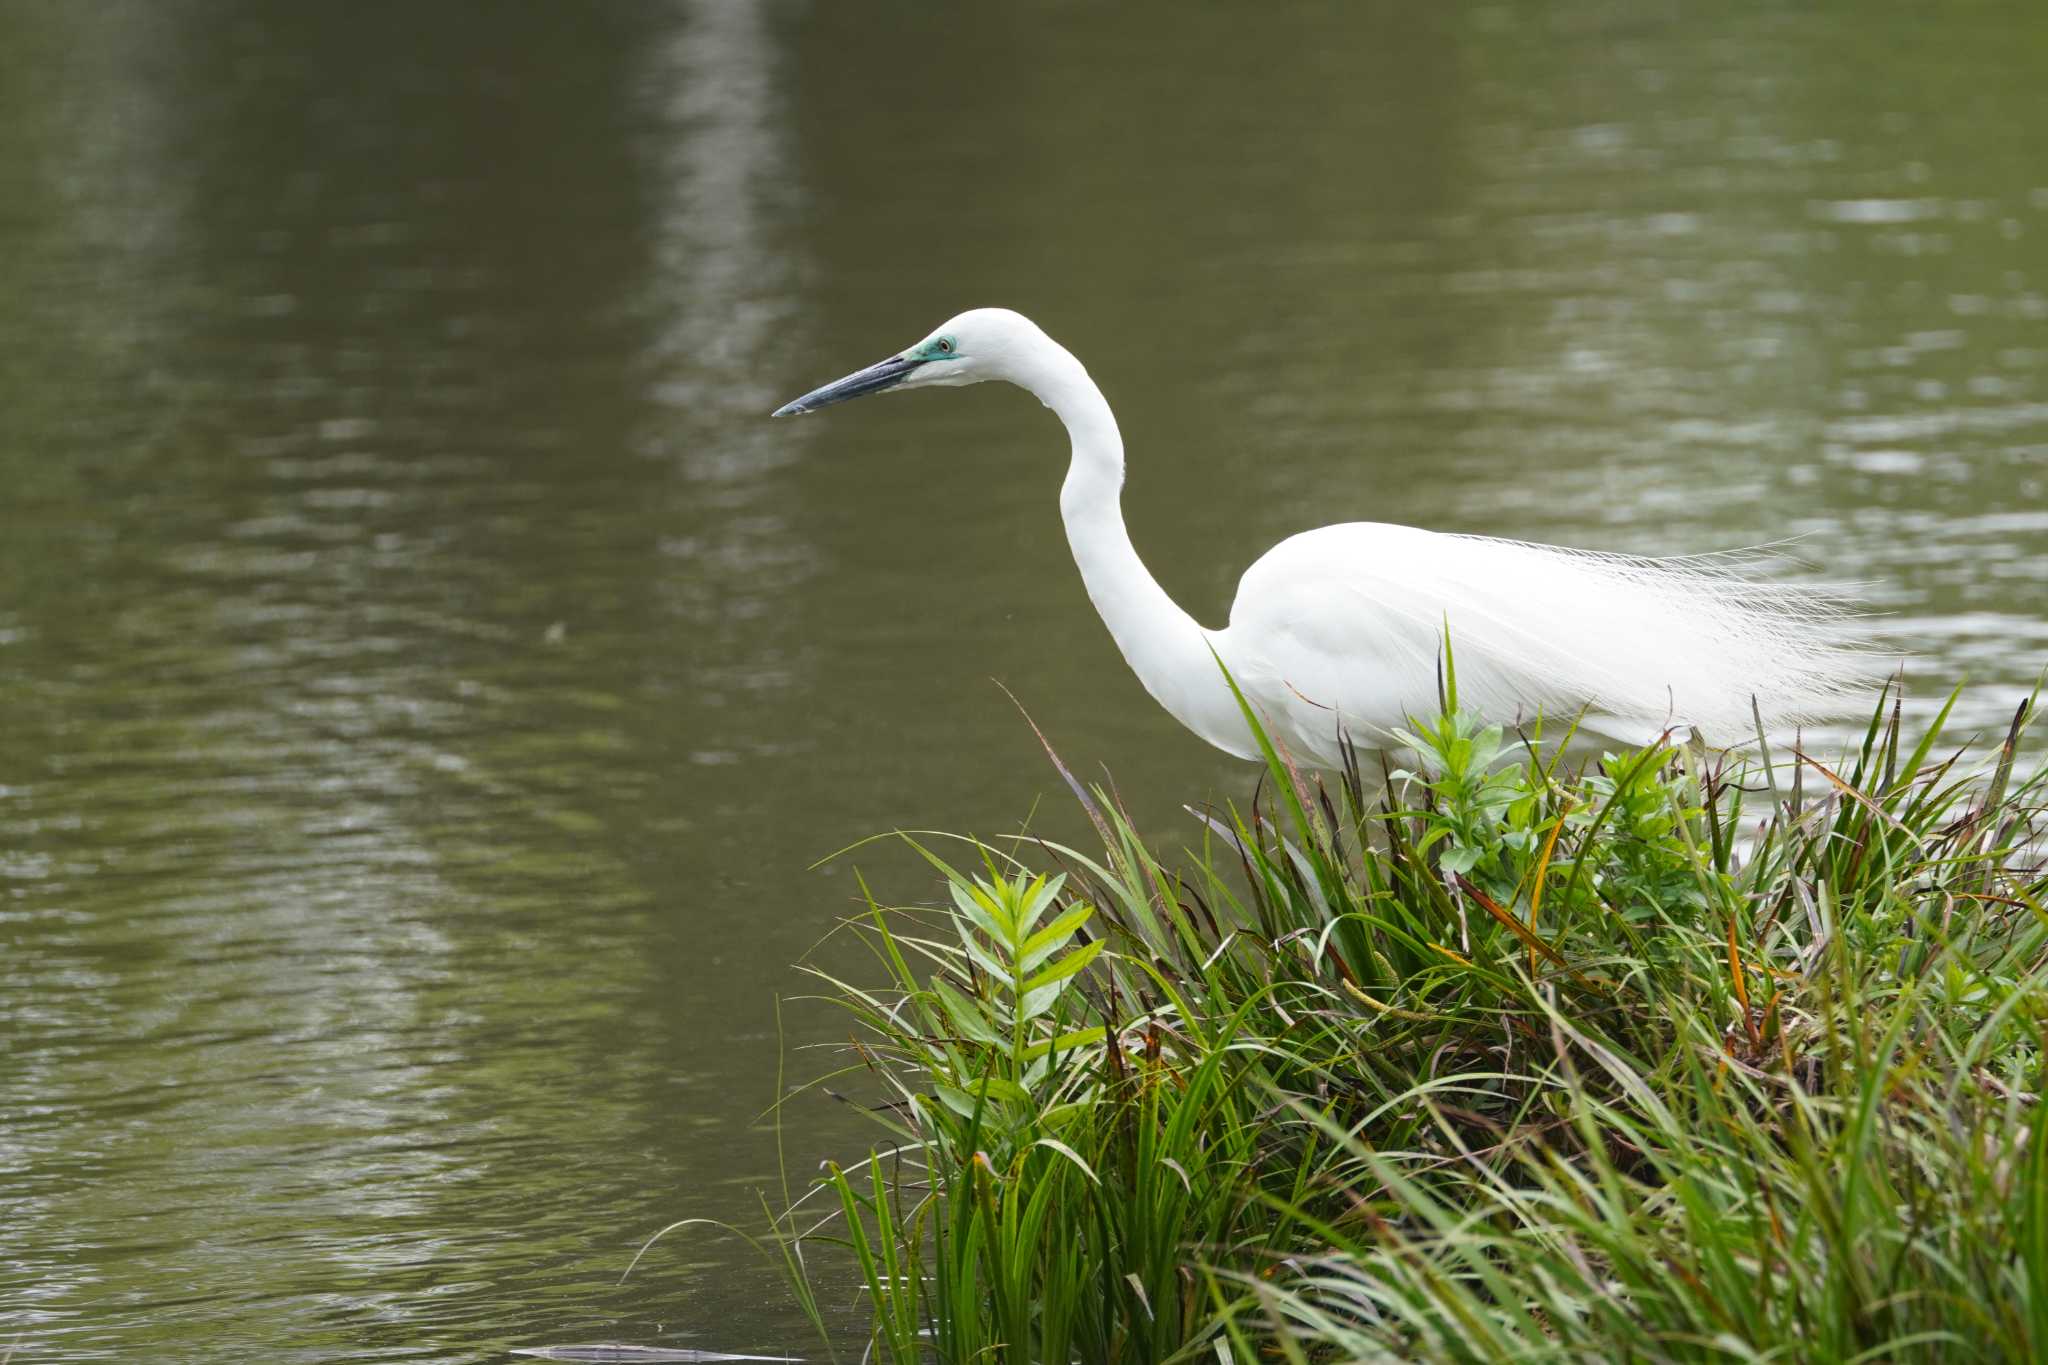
(427,679)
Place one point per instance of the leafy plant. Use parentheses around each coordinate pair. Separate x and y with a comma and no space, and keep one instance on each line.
(1680,1057)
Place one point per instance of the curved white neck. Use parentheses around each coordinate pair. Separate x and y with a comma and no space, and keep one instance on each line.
(1164,646)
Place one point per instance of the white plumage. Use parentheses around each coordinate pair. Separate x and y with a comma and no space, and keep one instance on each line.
(1337,634)
(1351,619)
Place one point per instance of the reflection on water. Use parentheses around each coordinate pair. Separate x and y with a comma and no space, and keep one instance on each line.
(426,677)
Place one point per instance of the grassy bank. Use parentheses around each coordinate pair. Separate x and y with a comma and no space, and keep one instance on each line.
(1681,1058)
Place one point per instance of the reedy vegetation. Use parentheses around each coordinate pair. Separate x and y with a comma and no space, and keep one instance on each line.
(1681,1058)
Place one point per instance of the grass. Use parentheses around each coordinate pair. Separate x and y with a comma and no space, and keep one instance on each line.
(1681,1058)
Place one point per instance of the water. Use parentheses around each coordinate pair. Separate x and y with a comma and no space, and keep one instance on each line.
(427,680)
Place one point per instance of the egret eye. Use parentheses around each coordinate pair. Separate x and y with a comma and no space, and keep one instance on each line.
(945,345)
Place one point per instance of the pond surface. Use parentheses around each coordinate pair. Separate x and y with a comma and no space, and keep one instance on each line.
(427,680)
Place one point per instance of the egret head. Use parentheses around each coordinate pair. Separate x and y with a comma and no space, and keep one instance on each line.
(982,343)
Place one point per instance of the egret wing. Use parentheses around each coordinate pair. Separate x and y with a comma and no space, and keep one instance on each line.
(1346,624)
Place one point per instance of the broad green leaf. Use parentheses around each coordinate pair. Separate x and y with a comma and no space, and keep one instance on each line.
(1000,1088)
(1035,898)
(1066,1042)
(998,970)
(959,1101)
(981,909)
(1460,859)
(1041,990)
(1037,1002)
(967,1017)
(1066,966)
(1052,937)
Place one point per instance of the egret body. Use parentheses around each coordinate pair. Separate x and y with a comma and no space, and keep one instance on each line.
(1336,634)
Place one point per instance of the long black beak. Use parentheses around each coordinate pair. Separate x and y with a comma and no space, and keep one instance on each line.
(873,379)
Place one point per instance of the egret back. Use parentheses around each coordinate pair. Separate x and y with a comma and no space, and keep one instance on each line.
(1346,625)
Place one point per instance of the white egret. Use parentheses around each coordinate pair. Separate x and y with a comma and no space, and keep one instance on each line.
(1336,634)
